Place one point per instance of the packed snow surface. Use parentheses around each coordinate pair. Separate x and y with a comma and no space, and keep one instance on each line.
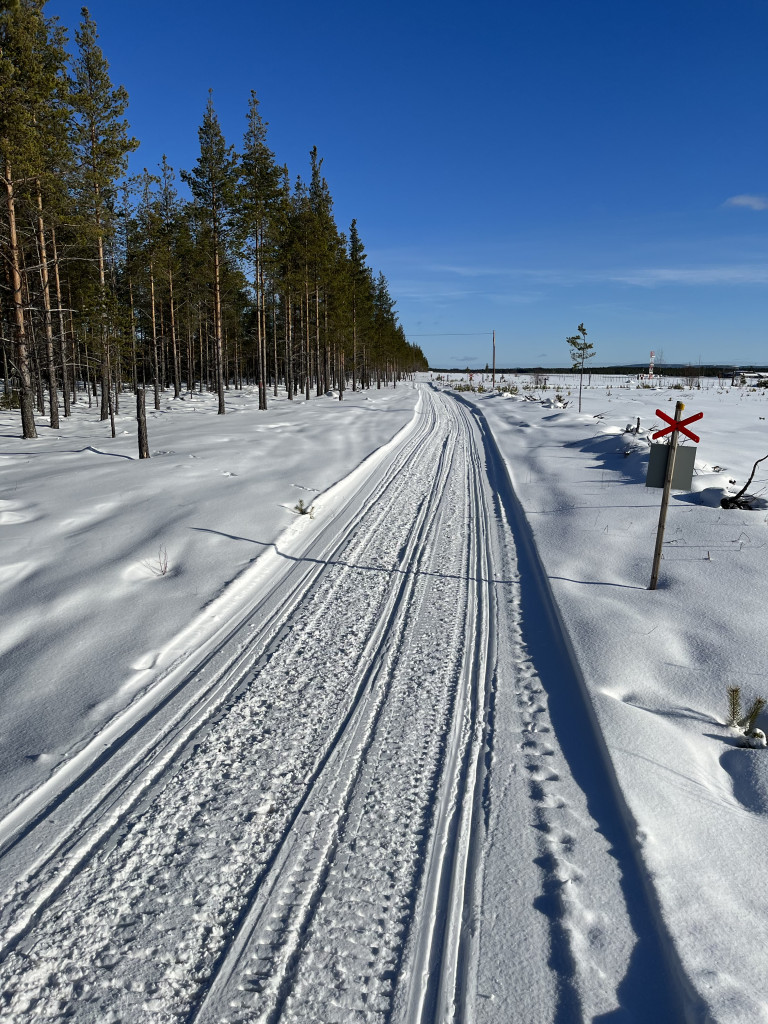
(429,752)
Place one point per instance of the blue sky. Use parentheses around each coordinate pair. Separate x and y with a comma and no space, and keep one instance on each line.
(523,167)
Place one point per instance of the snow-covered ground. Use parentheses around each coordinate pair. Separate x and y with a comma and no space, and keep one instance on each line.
(656,664)
(433,752)
(87,615)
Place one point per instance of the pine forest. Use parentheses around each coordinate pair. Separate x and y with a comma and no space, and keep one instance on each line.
(225,275)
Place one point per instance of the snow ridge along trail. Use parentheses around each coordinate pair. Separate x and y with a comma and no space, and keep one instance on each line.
(357,808)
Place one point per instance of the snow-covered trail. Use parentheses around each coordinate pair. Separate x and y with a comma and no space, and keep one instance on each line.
(355,807)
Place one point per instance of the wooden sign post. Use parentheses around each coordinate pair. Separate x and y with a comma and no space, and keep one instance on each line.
(675,427)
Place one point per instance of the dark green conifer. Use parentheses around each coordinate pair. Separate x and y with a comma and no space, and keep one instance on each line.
(257,197)
(31,126)
(102,145)
(213,183)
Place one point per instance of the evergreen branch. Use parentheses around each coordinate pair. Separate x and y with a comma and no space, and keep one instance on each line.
(734,705)
(748,721)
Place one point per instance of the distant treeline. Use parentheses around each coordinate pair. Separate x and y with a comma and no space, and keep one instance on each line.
(111,283)
(635,370)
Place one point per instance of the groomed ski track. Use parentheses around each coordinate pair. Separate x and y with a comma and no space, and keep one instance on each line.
(380,796)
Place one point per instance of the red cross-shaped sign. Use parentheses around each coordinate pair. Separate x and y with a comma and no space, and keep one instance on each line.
(678,425)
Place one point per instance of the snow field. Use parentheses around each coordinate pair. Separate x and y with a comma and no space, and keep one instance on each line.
(437,754)
(85,520)
(194,802)
(656,664)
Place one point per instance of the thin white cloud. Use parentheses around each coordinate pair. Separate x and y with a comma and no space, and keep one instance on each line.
(738,274)
(474,271)
(448,282)
(750,202)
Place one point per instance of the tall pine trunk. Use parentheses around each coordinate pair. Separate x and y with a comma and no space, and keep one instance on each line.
(141,417)
(44,279)
(155,368)
(62,329)
(26,394)
(174,343)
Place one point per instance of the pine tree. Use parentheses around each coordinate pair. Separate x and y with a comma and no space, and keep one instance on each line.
(361,295)
(150,227)
(581,350)
(30,76)
(286,269)
(171,223)
(102,146)
(213,183)
(258,194)
(383,322)
(322,248)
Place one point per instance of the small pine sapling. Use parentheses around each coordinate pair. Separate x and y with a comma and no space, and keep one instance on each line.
(747,723)
(734,706)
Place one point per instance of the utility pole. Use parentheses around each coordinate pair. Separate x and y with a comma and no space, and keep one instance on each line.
(494,360)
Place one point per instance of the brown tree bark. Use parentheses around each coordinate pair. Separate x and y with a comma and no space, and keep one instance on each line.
(155,370)
(141,417)
(44,278)
(26,394)
(174,343)
(218,336)
(62,329)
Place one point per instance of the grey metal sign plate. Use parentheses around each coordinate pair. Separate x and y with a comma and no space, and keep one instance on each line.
(657,466)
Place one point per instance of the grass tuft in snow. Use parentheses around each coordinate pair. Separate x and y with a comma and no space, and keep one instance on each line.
(158,566)
(304,510)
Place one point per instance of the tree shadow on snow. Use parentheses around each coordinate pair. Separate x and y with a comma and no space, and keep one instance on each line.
(623,454)
(306,559)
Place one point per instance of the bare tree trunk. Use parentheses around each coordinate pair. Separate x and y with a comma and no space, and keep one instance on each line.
(110,405)
(327,384)
(135,370)
(62,329)
(176,368)
(6,387)
(26,398)
(354,346)
(105,380)
(162,352)
(155,371)
(318,370)
(288,316)
(76,360)
(261,326)
(141,417)
(307,367)
(52,384)
(190,357)
(200,339)
(217,322)
(263,348)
